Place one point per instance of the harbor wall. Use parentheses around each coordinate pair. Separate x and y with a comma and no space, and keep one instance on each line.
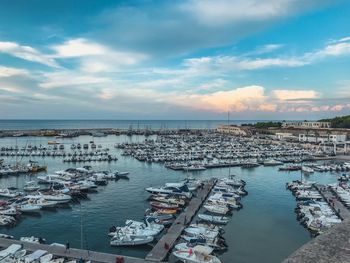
(331,246)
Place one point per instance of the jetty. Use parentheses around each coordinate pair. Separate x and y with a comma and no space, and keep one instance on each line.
(338,207)
(165,244)
(72,253)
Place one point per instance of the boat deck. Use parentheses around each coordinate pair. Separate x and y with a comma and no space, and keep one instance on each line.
(165,244)
(342,211)
(73,253)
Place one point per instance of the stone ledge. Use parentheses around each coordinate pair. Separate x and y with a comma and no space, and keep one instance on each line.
(331,246)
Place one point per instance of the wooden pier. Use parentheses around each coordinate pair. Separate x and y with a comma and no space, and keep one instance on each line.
(165,244)
(338,207)
(73,253)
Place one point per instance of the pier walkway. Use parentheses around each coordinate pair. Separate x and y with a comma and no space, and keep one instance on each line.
(73,253)
(165,244)
(342,211)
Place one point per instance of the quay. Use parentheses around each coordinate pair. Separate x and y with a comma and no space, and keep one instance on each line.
(73,253)
(165,244)
(338,207)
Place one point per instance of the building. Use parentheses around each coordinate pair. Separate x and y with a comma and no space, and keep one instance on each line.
(284,136)
(306,124)
(326,138)
(231,129)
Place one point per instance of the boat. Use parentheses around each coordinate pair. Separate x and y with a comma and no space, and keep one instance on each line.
(34,240)
(160,205)
(272,162)
(216,209)
(28,207)
(130,240)
(9,194)
(11,250)
(173,189)
(35,256)
(137,229)
(307,170)
(198,254)
(213,219)
(31,187)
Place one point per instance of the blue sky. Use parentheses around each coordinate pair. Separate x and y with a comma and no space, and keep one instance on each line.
(190,59)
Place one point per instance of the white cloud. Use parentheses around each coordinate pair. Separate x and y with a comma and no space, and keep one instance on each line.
(78,48)
(9,72)
(222,12)
(69,78)
(286,95)
(26,53)
(95,57)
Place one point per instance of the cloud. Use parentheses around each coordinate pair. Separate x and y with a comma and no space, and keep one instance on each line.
(9,72)
(286,95)
(27,53)
(172,28)
(95,57)
(68,79)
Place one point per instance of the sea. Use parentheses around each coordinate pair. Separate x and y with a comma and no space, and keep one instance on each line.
(265,230)
(123,124)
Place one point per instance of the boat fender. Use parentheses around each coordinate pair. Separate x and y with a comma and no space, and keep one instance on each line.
(119,259)
(112,229)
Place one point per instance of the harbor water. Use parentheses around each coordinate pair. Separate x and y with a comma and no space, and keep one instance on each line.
(265,230)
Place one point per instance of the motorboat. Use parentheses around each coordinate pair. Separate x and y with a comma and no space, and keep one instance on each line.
(6,220)
(173,189)
(213,219)
(11,250)
(198,254)
(32,239)
(31,187)
(216,209)
(137,229)
(130,240)
(160,205)
(28,207)
(9,194)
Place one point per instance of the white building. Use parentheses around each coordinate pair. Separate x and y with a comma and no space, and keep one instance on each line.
(231,129)
(284,136)
(306,124)
(328,138)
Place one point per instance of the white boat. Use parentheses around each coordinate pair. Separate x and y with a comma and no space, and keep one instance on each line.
(130,240)
(174,189)
(198,254)
(216,209)
(213,219)
(137,229)
(9,194)
(27,207)
(11,250)
(201,231)
(186,246)
(32,239)
(9,211)
(57,197)
(6,220)
(307,170)
(31,187)
(35,256)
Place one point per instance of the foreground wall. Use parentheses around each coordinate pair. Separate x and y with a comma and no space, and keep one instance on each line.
(332,246)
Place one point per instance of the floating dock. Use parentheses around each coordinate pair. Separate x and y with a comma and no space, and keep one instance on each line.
(342,211)
(165,244)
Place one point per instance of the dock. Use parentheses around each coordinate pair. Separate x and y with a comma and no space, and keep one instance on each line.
(166,243)
(72,253)
(338,207)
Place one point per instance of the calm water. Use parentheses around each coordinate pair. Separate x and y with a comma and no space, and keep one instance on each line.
(265,230)
(125,124)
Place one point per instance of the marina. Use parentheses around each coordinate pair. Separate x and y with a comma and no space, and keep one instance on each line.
(156,173)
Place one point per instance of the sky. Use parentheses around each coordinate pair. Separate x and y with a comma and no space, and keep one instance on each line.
(167,59)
